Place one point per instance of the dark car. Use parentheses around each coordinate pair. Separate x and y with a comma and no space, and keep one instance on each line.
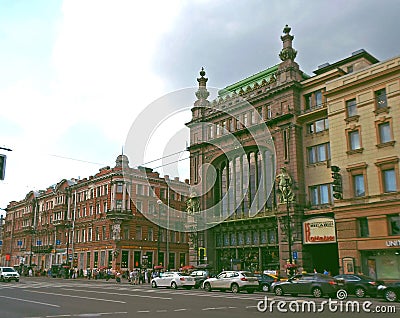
(316,284)
(360,285)
(265,281)
(200,276)
(392,292)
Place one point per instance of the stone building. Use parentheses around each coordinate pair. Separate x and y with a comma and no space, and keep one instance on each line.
(283,120)
(104,221)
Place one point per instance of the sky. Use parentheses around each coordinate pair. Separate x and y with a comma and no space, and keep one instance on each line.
(75,75)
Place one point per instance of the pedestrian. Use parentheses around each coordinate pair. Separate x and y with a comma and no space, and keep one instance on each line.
(146,276)
(30,272)
(326,272)
(118,277)
(108,274)
(88,273)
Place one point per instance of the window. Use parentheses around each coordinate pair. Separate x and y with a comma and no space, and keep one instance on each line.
(354,140)
(350,69)
(359,186)
(104,232)
(380,98)
(139,189)
(351,107)
(118,204)
(125,232)
(119,187)
(97,234)
(89,238)
(314,100)
(318,153)
(150,234)
(394,224)
(320,194)
(138,233)
(389,180)
(139,206)
(269,111)
(384,133)
(363,230)
(318,126)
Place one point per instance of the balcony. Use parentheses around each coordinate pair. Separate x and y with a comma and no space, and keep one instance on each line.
(119,214)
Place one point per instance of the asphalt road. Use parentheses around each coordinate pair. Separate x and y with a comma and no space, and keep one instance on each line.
(59,298)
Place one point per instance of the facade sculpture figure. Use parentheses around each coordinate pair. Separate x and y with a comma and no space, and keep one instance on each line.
(192,204)
(285,186)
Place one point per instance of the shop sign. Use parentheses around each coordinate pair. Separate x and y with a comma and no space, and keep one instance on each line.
(319,230)
(395,243)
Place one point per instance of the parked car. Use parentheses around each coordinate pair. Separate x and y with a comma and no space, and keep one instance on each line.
(392,292)
(265,281)
(173,280)
(200,276)
(314,284)
(360,285)
(232,280)
(8,273)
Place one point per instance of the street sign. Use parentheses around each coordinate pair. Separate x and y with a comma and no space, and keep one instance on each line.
(70,257)
(294,254)
(19,243)
(58,242)
(1,242)
(38,242)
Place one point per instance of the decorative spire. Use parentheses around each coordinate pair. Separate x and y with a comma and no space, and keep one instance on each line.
(202,93)
(287,52)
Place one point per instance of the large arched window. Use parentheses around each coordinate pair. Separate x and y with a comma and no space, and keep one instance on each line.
(244,183)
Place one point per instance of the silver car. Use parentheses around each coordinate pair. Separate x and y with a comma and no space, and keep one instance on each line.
(232,280)
(173,280)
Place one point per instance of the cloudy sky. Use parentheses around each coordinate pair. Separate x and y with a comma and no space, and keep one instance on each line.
(74,75)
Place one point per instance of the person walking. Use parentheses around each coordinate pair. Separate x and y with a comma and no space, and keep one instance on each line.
(118,277)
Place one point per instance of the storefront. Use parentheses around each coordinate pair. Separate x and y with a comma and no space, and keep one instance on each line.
(319,239)
(383,263)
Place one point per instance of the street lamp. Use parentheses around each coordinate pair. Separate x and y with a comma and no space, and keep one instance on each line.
(289,230)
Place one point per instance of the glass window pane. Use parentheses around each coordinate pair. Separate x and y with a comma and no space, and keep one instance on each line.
(324,194)
(311,155)
(359,189)
(318,98)
(320,125)
(389,179)
(384,132)
(321,153)
(354,140)
(351,108)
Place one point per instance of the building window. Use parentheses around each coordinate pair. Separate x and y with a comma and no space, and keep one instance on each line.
(320,194)
(318,153)
(97,234)
(394,224)
(139,189)
(354,140)
(118,204)
(104,232)
(150,234)
(119,187)
(314,100)
(125,232)
(318,126)
(359,185)
(138,233)
(269,111)
(351,108)
(380,98)
(384,132)
(389,180)
(139,206)
(89,234)
(350,69)
(363,230)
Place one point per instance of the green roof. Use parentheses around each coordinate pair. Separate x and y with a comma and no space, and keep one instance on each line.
(250,81)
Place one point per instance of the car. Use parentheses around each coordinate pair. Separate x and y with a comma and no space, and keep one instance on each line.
(8,274)
(173,280)
(265,281)
(391,292)
(200,276)
(314,284)
(232,280)
(360,285)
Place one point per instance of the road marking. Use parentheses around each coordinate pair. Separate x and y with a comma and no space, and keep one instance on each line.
(119,294)
(94,314)
(30,301)
(182,309)
(75,296)
(143,311)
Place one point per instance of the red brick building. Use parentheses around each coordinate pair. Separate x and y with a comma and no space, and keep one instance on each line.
(98,222)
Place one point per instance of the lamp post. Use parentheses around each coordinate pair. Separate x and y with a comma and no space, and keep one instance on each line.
(159,202)
(289,230)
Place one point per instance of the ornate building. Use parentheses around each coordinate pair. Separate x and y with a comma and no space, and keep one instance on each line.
(98,222)
(333,184)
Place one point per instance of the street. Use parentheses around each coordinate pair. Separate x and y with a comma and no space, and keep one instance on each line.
(48,297)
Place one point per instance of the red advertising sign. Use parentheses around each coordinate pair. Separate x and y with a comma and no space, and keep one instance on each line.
(319,230)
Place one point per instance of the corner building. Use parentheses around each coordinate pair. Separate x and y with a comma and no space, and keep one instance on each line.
(305,116)
(98,222)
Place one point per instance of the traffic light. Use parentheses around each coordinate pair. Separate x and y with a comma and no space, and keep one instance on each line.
(202,253)
(2,166)
(337,183)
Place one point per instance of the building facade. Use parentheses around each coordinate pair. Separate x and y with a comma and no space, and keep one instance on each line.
(98,222)
(281,124)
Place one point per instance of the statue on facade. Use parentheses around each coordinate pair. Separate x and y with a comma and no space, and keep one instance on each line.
(116,234)
(285,184)
(193,204)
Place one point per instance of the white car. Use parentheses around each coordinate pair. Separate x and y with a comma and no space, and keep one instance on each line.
(234,281)
(173,280)
(8,274)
